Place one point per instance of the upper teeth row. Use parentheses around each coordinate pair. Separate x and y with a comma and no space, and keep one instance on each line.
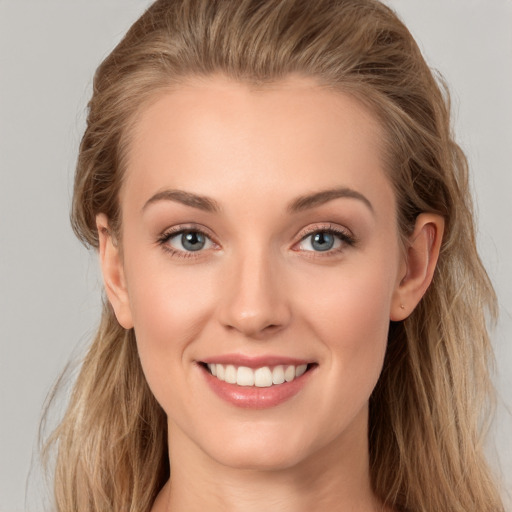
(263,377)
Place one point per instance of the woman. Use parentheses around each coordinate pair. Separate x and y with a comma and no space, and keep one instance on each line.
(286,239)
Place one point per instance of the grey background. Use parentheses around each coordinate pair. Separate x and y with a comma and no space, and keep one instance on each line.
(49,285)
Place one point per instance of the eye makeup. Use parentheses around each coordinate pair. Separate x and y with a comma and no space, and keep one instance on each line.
(193,241)
(325,239)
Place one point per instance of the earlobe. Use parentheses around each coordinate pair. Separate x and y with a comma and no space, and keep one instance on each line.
(421,257)
(113,273)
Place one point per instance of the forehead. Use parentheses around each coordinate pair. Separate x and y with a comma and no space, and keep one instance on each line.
(216,131)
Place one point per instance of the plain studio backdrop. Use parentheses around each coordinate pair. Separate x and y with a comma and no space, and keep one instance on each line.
(49,284)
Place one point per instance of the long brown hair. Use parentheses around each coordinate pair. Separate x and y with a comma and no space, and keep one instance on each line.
(427,411)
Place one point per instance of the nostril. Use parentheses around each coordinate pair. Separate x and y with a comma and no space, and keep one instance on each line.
(253,326)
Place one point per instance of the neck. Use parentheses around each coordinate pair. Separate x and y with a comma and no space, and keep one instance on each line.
(336,477)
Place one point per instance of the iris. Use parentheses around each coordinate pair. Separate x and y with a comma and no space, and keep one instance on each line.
(193,240)
(322,241)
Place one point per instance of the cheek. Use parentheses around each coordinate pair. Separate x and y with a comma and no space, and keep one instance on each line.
(358,335)
(169,308)
(167,299)
(351,318)
(352,305)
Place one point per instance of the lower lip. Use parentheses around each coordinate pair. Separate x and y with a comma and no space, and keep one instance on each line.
(251,397)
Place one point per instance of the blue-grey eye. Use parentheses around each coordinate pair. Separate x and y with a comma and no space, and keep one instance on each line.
(188,241)
(322,241)
(193,240)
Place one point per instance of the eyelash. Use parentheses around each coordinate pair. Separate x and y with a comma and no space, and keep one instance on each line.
(180,230)
(343,235)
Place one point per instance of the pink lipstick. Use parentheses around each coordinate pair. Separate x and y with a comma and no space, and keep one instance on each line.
(256,382)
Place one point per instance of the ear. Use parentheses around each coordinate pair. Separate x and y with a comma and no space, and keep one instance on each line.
(419,264)
(113,273)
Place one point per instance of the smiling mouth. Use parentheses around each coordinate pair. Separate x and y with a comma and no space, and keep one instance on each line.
(263,377)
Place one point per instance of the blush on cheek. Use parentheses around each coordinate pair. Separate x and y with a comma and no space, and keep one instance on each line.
(167,303)
(355,320)
(168,317)
(350,306)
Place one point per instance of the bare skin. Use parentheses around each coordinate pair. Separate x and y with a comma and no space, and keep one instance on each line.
(260,224)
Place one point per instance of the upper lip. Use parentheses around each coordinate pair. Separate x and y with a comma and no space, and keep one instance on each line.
(255,361)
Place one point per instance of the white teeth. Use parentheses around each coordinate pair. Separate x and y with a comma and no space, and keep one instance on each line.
(289,373)
(300,370)
(263,377)
(245,376)
(230,375)
(278,375)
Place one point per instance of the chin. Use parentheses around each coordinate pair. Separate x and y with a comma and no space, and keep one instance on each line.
(266,446)
(257,458)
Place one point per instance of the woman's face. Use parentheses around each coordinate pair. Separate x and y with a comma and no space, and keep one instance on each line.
(259,236)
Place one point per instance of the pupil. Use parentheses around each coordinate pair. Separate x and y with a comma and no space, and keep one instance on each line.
(192,241)
(323,241)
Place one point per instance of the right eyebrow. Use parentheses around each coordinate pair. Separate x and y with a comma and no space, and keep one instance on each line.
(204,203)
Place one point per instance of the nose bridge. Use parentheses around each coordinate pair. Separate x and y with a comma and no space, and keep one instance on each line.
(254,299)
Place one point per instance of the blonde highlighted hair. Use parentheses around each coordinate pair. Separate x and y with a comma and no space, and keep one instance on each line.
(427,411)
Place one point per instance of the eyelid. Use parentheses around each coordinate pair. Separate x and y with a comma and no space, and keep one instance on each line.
(188,226)
(178,229)
(324,226)
(344,234)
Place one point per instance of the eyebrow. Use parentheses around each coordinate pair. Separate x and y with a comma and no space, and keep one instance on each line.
(318,198)
(187,198)
(297,205)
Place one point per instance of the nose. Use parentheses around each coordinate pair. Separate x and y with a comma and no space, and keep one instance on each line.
(254,301)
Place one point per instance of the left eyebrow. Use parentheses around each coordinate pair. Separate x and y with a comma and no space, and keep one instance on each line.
(318,198)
